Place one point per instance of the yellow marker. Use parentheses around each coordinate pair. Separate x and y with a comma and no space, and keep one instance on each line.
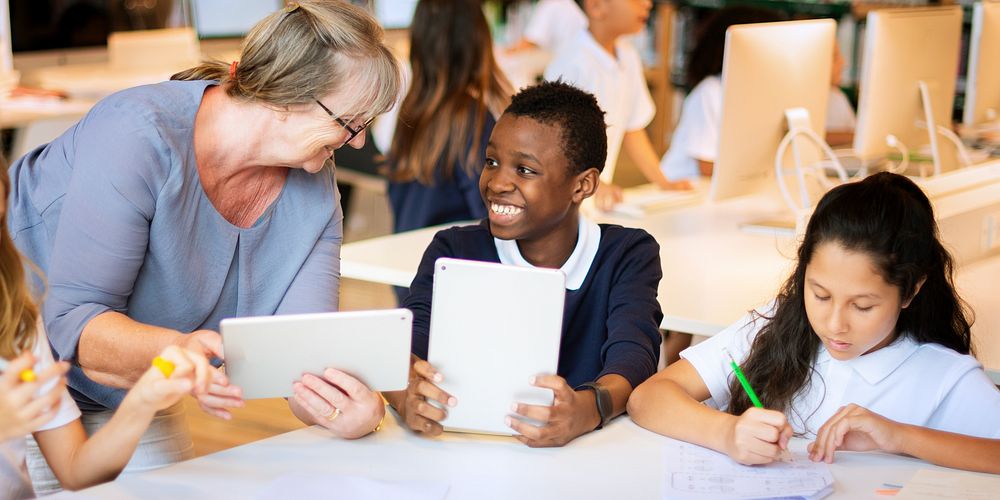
(26,375)
(166,367)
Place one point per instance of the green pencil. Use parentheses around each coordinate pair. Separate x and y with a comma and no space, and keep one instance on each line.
(743,380)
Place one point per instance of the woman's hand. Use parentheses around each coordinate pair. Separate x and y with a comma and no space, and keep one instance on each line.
(155,391)
(22,411)
(854,428)
(220,396)
(339,402)
(758,436)
(572,414)
(417,411)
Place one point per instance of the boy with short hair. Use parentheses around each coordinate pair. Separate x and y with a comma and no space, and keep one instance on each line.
(601,62)
(543,159)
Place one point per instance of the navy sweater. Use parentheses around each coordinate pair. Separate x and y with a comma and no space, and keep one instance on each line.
(452,199)
(610,325)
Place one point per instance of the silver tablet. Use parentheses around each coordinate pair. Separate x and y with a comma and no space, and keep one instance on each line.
(493,327)
(265,354)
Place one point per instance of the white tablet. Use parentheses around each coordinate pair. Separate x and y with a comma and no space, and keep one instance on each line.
(266,354)
(493,327)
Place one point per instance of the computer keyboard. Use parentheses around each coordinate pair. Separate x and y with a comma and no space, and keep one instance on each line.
(643,200)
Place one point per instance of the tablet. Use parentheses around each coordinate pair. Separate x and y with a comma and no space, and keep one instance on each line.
(493,327)
(266,354)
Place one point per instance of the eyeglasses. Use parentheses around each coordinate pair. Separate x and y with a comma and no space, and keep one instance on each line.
(353,131)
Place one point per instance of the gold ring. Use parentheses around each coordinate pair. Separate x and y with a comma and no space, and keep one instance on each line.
(333,414)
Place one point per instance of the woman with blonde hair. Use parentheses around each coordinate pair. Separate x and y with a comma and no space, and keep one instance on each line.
(457,92)
(171,206)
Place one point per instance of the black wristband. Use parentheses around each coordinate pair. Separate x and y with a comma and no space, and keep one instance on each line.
(602,397)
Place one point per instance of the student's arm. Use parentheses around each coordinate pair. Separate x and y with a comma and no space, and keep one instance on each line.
(637,146)
(669,403)
(855,428)
(79,462)
(706,167)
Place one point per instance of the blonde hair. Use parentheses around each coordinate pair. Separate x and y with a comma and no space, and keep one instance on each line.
(18,312)
(308,50)
(456,82)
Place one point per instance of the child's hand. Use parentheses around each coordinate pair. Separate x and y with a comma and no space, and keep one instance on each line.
(607,196)
(220,396)
(418,413)
(572,414)
(759,436)
(339,402)
(192,374)
(681,185)
(854,428)
(22,411)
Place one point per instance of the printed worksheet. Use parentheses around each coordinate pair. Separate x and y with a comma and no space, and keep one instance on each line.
(693,472)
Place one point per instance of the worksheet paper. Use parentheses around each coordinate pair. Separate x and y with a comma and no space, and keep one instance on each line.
(693,472)
(937,484)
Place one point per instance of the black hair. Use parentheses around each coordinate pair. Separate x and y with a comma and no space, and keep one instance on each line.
(576,113)
(888,218)
(706,57)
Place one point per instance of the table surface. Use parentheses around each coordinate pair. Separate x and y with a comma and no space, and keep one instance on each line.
(620,461)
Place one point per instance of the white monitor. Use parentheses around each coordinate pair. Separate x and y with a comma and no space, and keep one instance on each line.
(230,18)
(394,14)
(768,69)
(908,75)
(982,87)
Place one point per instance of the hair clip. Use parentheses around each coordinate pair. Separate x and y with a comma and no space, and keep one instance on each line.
(232,69)
(290,7)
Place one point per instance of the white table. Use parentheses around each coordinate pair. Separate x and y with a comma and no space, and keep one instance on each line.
(620,461)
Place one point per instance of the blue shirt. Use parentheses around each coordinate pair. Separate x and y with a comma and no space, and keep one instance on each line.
(454,199)
(610,324)
(114,213)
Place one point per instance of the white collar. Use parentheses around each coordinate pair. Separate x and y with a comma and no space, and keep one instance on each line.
(876,366)
(576,266)
(607,60)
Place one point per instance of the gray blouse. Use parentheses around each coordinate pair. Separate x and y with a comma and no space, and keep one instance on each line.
(115,215)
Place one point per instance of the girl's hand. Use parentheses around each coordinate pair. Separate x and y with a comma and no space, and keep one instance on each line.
(758,436)
(417,411)
(854,428)
(339,402)
(607,196)
(220,396)
(192,374)
(22,411)
(572,414)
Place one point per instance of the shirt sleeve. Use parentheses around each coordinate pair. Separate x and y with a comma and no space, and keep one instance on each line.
(421,293)
(643,109)
(316,287)
(540,27)
(68,411)
(711,362)
(632,349)
(103,231)
(971,405)
(702,112)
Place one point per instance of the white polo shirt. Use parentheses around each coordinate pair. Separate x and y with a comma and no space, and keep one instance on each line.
(554,23)
(616,81)
(576,267)
(697,134)
(14,480)
(920,384)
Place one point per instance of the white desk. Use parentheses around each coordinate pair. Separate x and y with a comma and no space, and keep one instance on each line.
(620,461)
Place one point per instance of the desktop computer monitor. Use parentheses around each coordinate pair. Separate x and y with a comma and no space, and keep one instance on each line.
(768,69)
(230,18)
(908,76)
(395,14)
(982,87)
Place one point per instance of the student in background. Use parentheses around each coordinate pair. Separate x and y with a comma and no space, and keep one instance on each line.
(457,90)
(599,61)
(552,24)
(867,347)
(695,142)
(543,159)
(43,406)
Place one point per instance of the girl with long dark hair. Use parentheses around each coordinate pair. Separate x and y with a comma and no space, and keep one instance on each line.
(866,347)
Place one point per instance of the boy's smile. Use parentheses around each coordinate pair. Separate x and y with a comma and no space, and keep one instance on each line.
(530,191)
